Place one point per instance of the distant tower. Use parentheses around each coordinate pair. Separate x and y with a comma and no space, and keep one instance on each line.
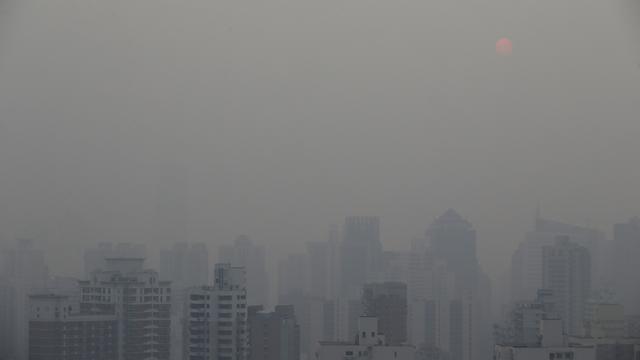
(361,253)
(245,253)
(566,271)
(526,262)
(453,240)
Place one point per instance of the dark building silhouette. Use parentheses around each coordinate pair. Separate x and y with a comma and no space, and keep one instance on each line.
(58,331)
(388,302)
(273,335)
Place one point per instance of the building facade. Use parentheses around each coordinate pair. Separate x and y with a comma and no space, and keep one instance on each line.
(215,317)
(369,344)
(566,271)
(388,303)
(274,335)
(58,331)
(139,300)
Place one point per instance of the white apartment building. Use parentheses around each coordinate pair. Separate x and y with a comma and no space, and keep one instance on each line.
(215,318)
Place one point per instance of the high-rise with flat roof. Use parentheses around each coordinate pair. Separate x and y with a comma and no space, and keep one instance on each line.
(245,253)
(141,303)
(215,317)
(566,271)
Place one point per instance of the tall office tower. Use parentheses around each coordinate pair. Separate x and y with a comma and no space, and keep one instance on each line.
(566,271)
(244,253)
(388,302)
(94,258)
(185,265)
(526,263)
(319,256)
(453,240)
(25,272)
(273,335)
(58,331)
(335,263)
(140,301)
(450,296)
(361,253)
(626,243)
(215,317)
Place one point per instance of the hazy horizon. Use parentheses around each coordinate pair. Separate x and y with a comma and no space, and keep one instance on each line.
(151,120)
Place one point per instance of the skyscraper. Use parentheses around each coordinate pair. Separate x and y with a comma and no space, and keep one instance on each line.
(361,253)
(244,253)
(453,240)
(566,271)
(25,272)
(526,263)
(626,243)
(450,294)
(215,317)
(388,302)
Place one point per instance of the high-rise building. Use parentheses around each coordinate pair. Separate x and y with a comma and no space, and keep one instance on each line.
(215,317)
(566,271)
(526,263)
(626,244)
(450,296)
(361,253)
(388,302)
(453,239)
(25,272)
(244,253)
(273,335)
(58,331)
(141,303)
(185,265)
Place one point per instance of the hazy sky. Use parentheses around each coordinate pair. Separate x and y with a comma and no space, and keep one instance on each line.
(135,120)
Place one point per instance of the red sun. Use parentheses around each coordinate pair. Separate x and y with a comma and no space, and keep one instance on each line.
(504,47)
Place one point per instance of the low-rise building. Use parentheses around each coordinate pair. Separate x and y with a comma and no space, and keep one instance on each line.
(368,345)
(552,346)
